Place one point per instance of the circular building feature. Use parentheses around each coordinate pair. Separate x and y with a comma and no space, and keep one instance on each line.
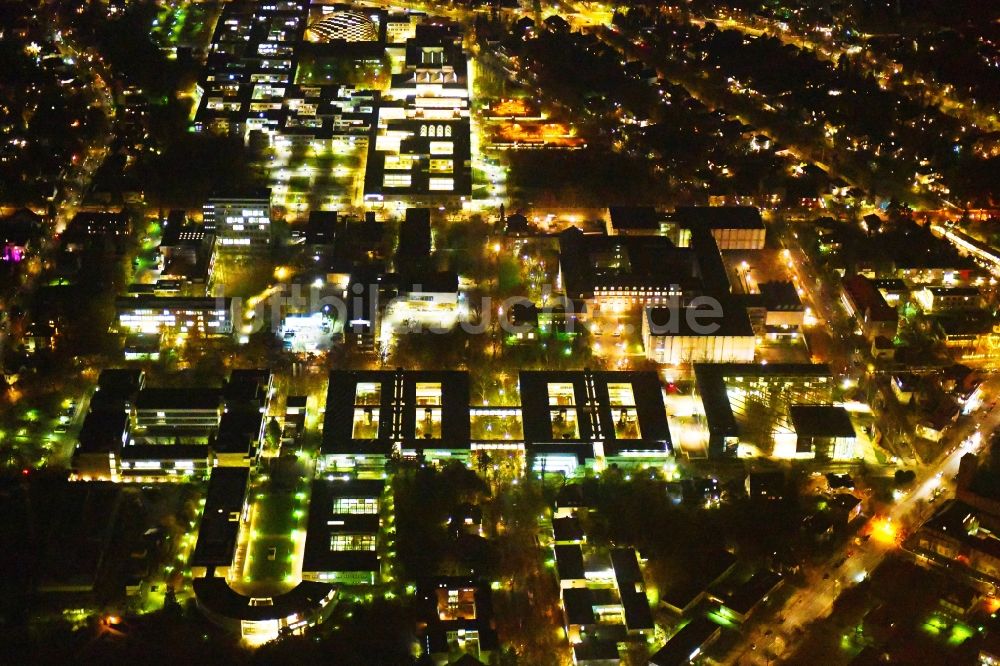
(346,25)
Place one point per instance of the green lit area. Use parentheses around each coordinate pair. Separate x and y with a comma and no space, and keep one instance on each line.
(274,535)
(371,75)
(950,631)
(184,23)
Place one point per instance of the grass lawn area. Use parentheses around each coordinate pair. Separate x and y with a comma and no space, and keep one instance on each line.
(275,513)
(261,569)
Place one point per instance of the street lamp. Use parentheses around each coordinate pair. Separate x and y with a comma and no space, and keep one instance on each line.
(496,256)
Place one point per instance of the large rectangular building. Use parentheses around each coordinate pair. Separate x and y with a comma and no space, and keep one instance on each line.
(727,389)
(240,222)
(422,152)
(315,116)
(187,254)
(246,399)
(578,419)
(372,414)
(225,509)
(733,227)
(251,60)
(161,462)
(622,273)
(177,316)
(416,160)
(823,430)
(107,425)
(343,534)
(625,272)
(177,409)
(673,336)
(139,433)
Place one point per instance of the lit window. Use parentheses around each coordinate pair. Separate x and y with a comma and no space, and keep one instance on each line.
(621,395)
(441,166)
(442,148)
(441,184)
(396,180)
(561,393)
(368,393)
(356,506)
(428,393)
(365,423)
(352,542)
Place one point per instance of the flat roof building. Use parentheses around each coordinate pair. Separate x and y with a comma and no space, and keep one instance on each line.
(177,316)
(684,646)
(567,530)
(246,398)
(456,615)
(322,227)
(777,309)
(240,222)
(162,462)
(186,252)
(263,618)
(632,589)
(733,227)
(422,151)
(718,331)
(188,409)
(596,652)
(343,534)
(363,312)
(103,434)
(419,160)
(239,437)
(725,390)
(184,431)
(634,221)
(372,413)
(824,430)
(740,601)
(249,386)
(414,236)
(225,507)
(119,384)
(107,425)
(575,419)
(569,565)
(683,594)
(625,271)
(425,291)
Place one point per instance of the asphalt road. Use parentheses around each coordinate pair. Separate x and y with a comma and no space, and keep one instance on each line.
(907,514)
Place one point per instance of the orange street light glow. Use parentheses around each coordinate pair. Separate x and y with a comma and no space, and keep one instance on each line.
(884,531)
